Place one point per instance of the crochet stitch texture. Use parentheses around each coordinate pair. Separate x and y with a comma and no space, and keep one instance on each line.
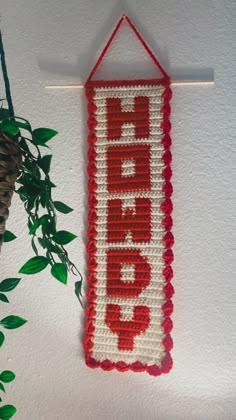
(129,248)
(129,297)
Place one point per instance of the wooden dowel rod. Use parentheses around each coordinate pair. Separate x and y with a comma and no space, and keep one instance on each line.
(173,82)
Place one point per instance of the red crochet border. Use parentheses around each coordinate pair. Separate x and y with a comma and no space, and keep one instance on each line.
(168,239)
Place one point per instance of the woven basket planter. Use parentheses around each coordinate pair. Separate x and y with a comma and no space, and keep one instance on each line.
(10,162)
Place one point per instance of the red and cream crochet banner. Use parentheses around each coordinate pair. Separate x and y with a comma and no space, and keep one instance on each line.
(129,297)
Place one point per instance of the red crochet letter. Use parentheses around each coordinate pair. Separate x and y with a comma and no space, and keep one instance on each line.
(140,157)
(116,117)
(116,258)
(127,330)
(137,221)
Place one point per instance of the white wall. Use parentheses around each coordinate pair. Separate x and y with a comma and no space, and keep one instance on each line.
(57,41)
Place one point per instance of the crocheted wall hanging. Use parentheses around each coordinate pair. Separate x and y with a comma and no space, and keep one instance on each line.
(129,297)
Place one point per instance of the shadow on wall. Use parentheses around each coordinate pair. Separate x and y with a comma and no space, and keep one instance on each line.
(78,72)
(85,62)
(65,70)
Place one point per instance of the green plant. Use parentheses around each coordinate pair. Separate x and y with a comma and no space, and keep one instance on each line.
(30,169)
(35,191)
(10,322)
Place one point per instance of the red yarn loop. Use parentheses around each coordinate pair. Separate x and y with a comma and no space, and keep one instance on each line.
(167,363)
(168,308)
(167,325)
(92,200)
(166,141)
(168,256)
(167,157)
(167,94)
(91,248)
(167,206)
(166,126)
(168,240)
(168,189)
(169,290)
(166,109)
(140,38)
(167,222)
(168,273)
(91,362)
(168,342)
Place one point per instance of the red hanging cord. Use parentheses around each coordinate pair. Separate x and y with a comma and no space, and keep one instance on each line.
(140,38)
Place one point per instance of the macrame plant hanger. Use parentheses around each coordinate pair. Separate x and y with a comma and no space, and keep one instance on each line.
(129,237)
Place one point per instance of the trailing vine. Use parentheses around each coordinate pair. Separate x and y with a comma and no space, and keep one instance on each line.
(9,322)
(34,187)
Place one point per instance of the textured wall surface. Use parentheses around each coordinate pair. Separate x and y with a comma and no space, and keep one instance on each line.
(57,41)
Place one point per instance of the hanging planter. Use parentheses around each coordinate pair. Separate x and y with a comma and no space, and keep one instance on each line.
(10,161)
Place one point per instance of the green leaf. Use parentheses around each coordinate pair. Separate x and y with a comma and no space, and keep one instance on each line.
(34,246)
(49,228)
(12,321)
(39,222)
(8,236)
(63,208)
(0,399)
(34,227)
(25,124)
(45,163)
(63,237)
(24,145)
(30,204)
(2,387)
(9,284)
(59,271)
(43,135)
(40,143)
(29,165)
(7,412)
(43,198)
(2,338)
(7,376)
(22,193)
(22,125)
(53,248)
(78,292)
(49,183)
(4,298)
(42,242)
(9,127)
(4,113)
(34,265)
(32,189)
